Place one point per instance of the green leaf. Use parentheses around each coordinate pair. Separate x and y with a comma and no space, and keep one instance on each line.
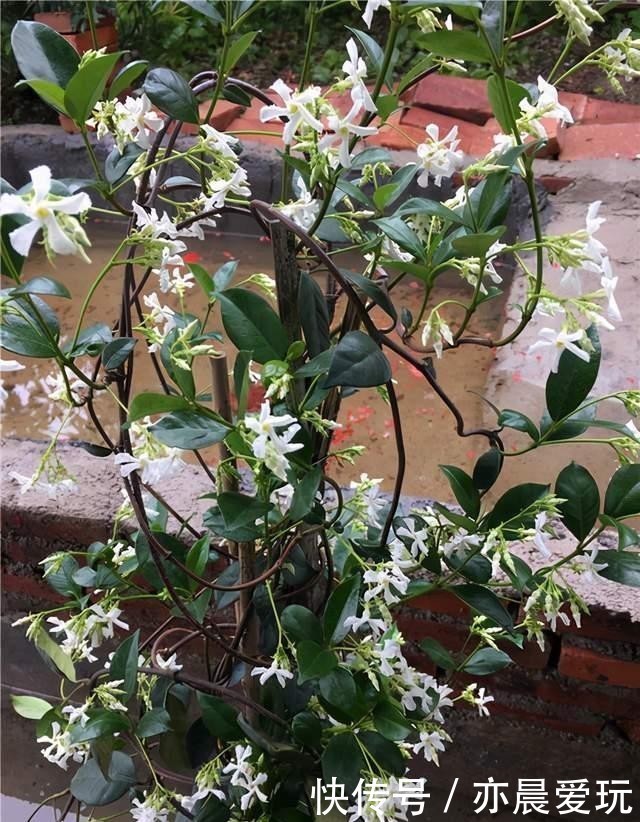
(148,403)
(92,787)
(300,623)
(432,208)
(304,494)
(124,665)
(91,341)
(314,661)
(206,8)
(371,156)
(397,230)
(52,94)
(198,557)
(23,334)
(384,753)
(462,45)
(306,729)
(391,722)
(117,164)
(438,653)
(463,488)
(486,661)
(239,509)
(238,48)
(172,94)
(85,88)
(573,426)
(343,761)
(43,54)
(519,422)
(487,469)
(512,505)
(51,650)
(570,385)
(622,566)
(153,722)
(116,352)
(188,430)
(225,274)
(241,381)
(342,604)
(483,601)
(30,707)
(580,511)
(42,285)
(314,316)
(626,536)
(515,93)
(493,20)
(219,717)
(622,498)
(126,76)
(101,723)
(358,362)
(252,325)
(375,293)
(476,245)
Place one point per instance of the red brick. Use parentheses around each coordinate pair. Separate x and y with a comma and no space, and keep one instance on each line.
(605,111)
(631,728)
(602,624)
(441,602)
(30,587)
(592,141)
(451,636)
(530,656)
(576,103)
(553,183)
(578,695)
(566,725)
(582,663)
(460,97)
(402,138)
(223,115)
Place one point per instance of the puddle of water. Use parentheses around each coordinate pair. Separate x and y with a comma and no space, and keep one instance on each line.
(365,417)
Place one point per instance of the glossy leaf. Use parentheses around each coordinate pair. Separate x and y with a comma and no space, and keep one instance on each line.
(397,230)
(314,316)
(357,361)
(172,94)
(343,761)
(51,93)
(570,385)
(148,404)
(101,723)
(219,717)
(91,340)
(515,93)
(304,494)
(300,623)
(438,653)
(314,661)
(126,76)
(30,707)
(487,469)
(622,498)
(462,45)
(189,430)
(85,88)
(116,352)
(483,601)
(486,661)
(512,505)
(43,54)
(373,291)
(240,509)
(92,787)
(124,665)
(463,489)
(252,325)
(519,422)
(622,566)
(580,511)
(342,604)
(44,286)
(117,164)
(153,722)
(238,48)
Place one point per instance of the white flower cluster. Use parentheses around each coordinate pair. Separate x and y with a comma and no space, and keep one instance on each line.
(133,121)
(154,460)
(86,631)
(245,776)
(579,14)
(439,157)
(269,446)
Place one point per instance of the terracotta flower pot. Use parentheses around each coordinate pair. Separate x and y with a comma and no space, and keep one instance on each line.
(59,21)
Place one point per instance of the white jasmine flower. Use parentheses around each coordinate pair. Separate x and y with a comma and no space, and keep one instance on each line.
(243,775)
(169,664)
(280,673)
(122,553)
(269,446)
(367,494)
(343,128)
(376,627)
(59,748)
(220,188)
(385,580)
(481,701)
(418,545)
(282,497)
(35,481)
(304,210)
(139,122)
(372,7)
(588,566)
(547,105)
(539,534)
(77,713)
(431,742)
(297,108)
(609,284)
(356,70)
(217,142)
(578,14)
(154,808)
(63,234)
(437,330)
(633,431)
(439,157)
(560,341)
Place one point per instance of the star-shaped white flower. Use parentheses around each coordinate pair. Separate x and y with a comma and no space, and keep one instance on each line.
(297,108)
(560,341)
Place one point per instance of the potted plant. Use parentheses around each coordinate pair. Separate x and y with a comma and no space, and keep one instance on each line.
(70,20)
